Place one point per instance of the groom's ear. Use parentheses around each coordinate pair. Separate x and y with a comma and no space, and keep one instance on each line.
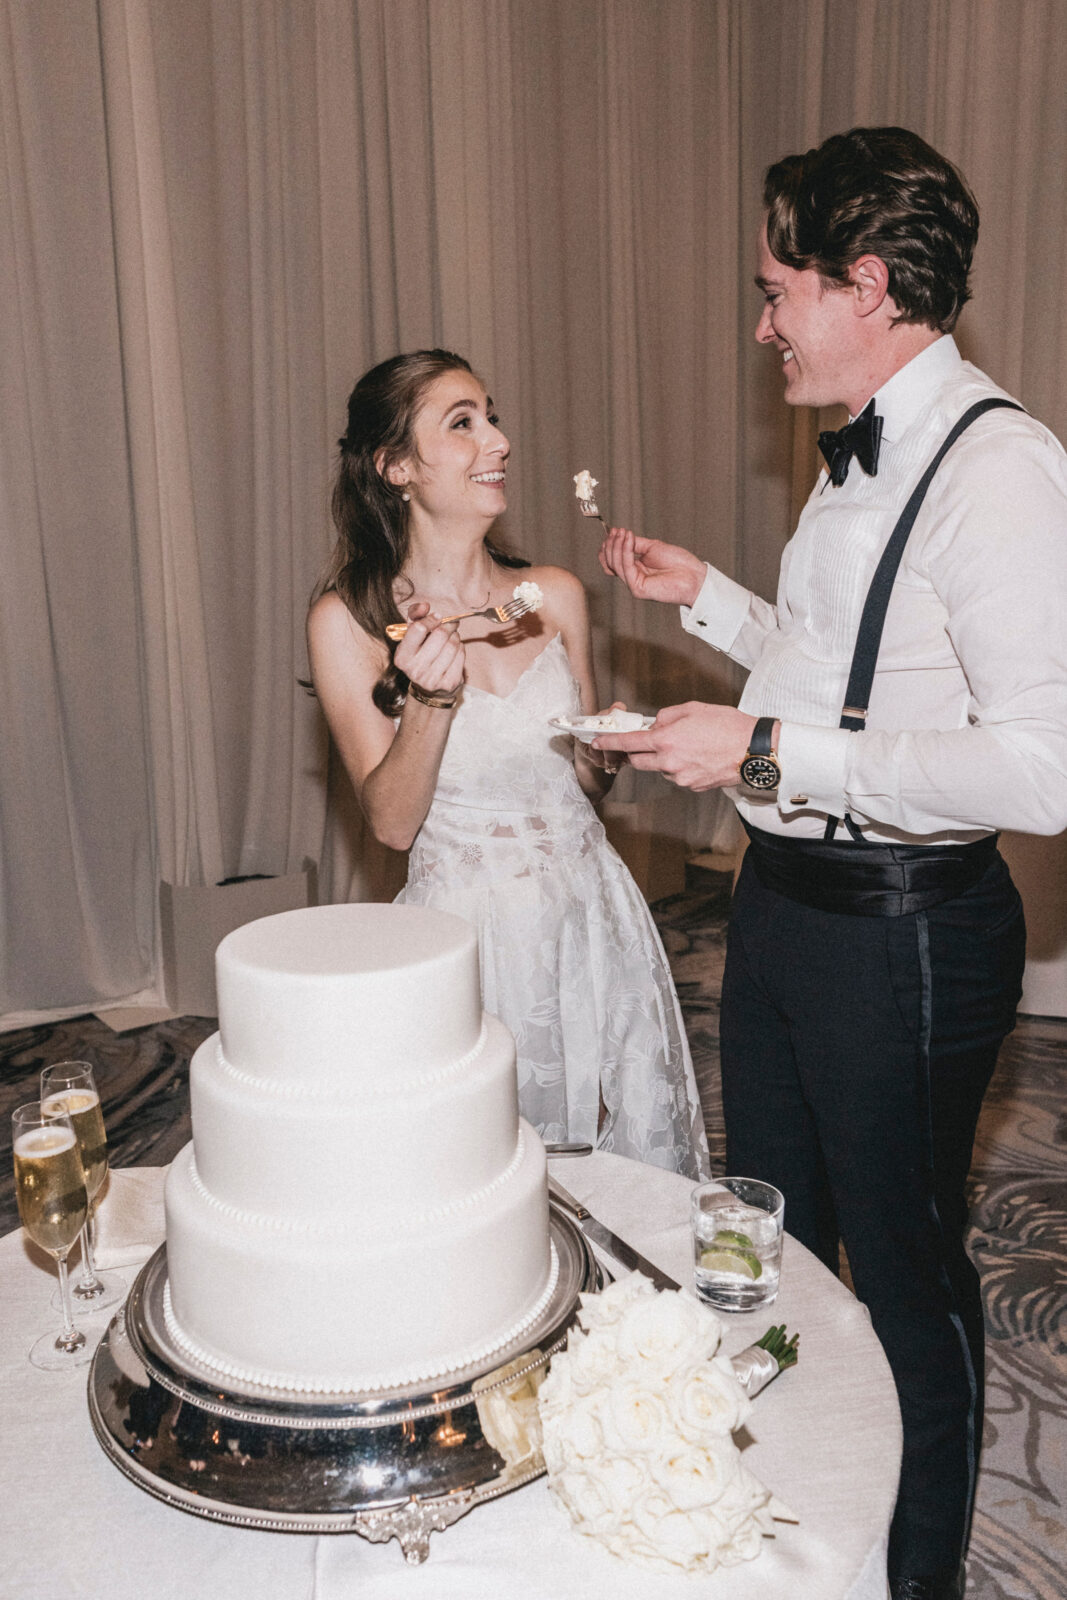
(868,279)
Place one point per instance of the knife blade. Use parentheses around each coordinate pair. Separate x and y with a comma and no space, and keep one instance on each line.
(601,1234)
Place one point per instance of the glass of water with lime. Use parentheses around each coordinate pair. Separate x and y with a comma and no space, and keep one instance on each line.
(737,1242)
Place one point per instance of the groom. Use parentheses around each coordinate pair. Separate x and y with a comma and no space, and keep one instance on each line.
(884,735)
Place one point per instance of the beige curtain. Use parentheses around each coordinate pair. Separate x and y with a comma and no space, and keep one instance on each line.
(218,212)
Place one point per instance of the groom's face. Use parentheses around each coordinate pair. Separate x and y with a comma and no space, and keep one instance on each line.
(813,326)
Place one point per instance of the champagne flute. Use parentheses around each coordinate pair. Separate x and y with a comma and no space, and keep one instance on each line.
(53,1205)
(69,1087)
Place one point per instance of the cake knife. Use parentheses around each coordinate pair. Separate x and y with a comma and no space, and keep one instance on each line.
(601,1234)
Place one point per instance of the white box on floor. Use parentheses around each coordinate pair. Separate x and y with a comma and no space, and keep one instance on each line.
(193,920)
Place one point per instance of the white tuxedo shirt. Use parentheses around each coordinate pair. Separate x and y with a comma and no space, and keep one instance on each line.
(966,730)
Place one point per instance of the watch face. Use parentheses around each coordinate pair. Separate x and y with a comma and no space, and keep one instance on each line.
(761,772)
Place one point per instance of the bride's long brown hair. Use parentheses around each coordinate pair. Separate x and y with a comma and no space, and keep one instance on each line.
(370,513)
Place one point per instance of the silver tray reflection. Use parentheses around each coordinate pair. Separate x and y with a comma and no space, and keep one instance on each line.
(393,1464)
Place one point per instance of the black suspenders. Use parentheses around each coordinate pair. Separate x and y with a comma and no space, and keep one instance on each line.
(872,620)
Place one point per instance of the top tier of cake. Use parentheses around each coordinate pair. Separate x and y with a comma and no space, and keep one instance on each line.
(300,992)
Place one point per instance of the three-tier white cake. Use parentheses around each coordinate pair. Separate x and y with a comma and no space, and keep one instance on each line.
(361,1206)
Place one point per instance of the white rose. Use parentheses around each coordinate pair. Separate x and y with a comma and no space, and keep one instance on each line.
(587,1500)
(607,1308)
(557,1390)
(584,1430)
(592,1361)
(694,1476)
(744,1544)
(668,1331)
(554,1450)
(602,1494)
(662,1533)
(744,1497)
(707,1399)
(622,1479)
(573,1432)
(634,1417)
(744,1511)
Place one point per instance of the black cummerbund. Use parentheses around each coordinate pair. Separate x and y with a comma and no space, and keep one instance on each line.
(867,880)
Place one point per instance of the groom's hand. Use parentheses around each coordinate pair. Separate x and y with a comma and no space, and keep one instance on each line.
(696,746)
(652,570)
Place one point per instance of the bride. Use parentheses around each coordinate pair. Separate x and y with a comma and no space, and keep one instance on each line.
(447,741)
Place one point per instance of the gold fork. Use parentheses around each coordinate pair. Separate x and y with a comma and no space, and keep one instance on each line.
(589,508)
(506,613)
(587,505)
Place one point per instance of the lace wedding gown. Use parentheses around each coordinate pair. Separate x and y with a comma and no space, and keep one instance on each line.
(571,959)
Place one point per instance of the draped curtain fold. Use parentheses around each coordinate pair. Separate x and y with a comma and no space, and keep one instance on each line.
(217,213)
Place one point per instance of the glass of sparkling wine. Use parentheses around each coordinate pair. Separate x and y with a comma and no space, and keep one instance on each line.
(53,1204)
(69,1087)
(737,1243)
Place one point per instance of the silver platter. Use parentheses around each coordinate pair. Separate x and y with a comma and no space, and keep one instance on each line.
(398,1463)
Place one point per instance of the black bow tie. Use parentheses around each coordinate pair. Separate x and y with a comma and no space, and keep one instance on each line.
(861,438)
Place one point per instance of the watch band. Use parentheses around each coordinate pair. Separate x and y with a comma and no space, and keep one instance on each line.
(761,742)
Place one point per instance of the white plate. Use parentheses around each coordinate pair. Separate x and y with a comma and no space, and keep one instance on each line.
(586,729)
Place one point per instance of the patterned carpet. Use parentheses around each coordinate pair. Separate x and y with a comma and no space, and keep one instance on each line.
(1019,1219)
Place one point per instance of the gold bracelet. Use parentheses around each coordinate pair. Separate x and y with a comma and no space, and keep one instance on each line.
(444,701)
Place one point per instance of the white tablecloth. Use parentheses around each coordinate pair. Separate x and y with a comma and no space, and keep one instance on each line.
(825,1437)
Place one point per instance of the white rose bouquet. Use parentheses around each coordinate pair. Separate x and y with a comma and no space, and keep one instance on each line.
(637,1416)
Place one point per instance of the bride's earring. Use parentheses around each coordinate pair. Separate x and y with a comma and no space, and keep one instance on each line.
(405,495)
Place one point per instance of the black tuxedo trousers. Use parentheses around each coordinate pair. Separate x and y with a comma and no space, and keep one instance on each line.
(855,1054)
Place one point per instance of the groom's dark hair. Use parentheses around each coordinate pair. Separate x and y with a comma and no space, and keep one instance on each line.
(883,192)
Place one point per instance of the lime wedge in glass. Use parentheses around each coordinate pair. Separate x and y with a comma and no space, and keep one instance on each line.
(742,1263)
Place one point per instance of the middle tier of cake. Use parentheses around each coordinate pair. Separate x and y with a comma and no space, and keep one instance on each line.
(303,1150)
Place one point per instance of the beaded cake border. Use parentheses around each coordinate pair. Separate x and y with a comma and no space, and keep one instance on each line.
(289,1226)
(303,1089)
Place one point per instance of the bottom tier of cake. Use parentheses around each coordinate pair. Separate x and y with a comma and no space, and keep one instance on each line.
(335,1309)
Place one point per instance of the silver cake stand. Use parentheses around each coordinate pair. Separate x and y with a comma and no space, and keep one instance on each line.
(396,1464)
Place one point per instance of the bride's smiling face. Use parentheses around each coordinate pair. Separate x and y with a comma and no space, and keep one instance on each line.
(460,459)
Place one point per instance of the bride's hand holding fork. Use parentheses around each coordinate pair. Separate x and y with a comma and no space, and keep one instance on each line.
(431,654)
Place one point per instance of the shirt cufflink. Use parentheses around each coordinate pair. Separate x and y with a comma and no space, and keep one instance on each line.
(813,768)
(720,609)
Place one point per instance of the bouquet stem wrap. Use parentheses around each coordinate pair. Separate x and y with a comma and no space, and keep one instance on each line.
(754,1369)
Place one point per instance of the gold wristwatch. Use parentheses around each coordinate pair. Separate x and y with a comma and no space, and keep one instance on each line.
(760,769)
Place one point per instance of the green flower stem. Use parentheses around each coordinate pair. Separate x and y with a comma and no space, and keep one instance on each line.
(783,1350)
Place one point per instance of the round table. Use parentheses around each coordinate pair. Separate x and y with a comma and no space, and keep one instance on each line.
(825,1437)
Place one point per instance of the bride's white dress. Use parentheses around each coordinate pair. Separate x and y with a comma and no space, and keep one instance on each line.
(571,959)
